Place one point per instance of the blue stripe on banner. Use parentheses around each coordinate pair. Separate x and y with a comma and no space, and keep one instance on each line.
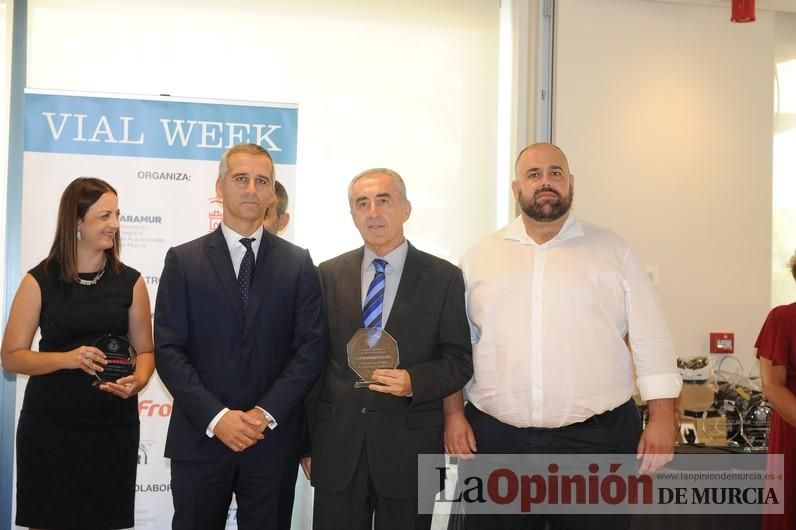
(155,128)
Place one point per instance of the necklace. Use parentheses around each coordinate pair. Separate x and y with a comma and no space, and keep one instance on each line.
(96,278)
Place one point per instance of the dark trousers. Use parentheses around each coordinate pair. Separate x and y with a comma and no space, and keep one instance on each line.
(359,506)
(287,493)
(202,491)
(615,431)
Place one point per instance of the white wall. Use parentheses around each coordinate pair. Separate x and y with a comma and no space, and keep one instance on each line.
(783,288)
(663,111)
(403,84)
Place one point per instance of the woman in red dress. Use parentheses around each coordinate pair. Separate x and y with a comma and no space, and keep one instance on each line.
(776,349)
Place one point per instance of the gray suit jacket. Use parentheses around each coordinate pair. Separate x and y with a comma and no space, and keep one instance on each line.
(429,322)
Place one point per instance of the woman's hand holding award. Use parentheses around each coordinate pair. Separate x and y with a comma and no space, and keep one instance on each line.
(120,356)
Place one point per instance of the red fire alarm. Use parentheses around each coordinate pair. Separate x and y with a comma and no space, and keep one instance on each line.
(743,11)
(722,342)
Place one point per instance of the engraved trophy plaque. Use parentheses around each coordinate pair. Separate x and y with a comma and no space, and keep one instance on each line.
(368,350)
(120,355)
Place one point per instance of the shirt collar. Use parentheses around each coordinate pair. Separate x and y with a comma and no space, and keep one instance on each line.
(395,258)
(515,231)
(233,238)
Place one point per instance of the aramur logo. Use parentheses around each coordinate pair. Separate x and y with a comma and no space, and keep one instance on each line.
(141,219)
(147,407)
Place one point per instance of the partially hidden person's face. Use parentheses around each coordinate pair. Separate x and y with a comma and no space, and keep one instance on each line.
(100,224)
(271,219)
(543,187)
(247,188)
(379,212)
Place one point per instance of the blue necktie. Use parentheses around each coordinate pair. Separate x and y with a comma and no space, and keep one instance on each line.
(246,272)
(374,300)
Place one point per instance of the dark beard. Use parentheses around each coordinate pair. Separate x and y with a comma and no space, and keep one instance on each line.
(549,210)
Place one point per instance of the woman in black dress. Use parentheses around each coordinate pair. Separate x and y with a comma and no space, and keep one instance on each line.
(77,442)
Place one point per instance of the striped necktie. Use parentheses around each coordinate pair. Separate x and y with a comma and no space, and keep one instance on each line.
(374,300)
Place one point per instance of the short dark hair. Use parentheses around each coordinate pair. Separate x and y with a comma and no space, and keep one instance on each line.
(281,198)
(249,149)
(76,199)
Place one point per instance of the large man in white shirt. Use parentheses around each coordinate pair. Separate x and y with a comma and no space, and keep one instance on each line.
(553,304)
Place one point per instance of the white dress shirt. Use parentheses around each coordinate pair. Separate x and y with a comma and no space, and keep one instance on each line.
(236,252)
(236,248)
(392,276)
(548,324)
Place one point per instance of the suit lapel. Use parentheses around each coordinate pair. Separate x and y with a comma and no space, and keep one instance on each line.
(262,273)
(220,260)
(409,289)
(350,281)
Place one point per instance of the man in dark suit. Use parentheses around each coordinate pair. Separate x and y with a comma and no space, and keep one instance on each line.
(365,441)
(239,340)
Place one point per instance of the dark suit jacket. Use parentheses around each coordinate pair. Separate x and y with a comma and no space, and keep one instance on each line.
(429,322)
(210,357)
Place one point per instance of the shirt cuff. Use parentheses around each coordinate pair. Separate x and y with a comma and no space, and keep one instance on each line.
(211,427)
(659,386)
(270,419)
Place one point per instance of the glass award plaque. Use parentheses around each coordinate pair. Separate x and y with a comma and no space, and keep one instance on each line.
(757,423)
(120,355)
(371,349)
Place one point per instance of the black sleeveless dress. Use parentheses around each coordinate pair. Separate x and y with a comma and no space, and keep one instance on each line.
(77,447)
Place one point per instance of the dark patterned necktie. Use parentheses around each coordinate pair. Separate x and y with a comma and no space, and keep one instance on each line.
(246,272)
(374,300)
